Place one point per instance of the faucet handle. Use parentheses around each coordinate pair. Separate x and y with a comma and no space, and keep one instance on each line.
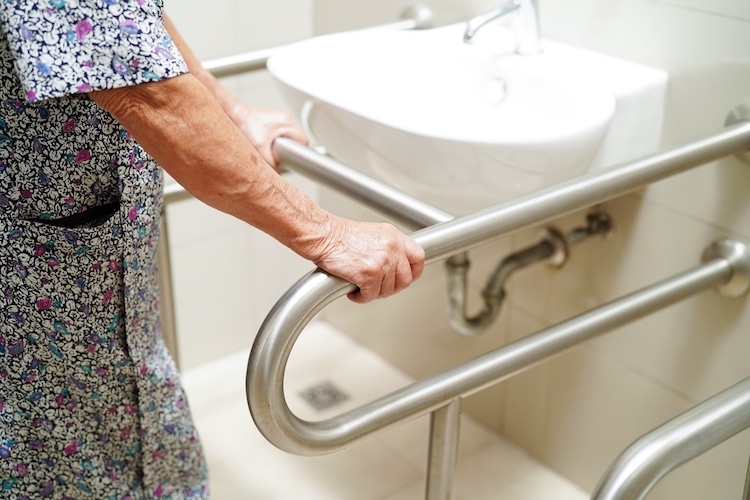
(476,23)
(525,25)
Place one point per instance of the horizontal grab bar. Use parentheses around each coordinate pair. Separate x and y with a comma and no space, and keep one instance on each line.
(240,63)
(270,353)
(637,470)
(388,201)
(466,232)
(463,233)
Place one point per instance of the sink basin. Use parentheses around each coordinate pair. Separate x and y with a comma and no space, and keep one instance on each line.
(459,126)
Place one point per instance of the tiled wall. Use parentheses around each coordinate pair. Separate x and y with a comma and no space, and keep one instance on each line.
(578,411)
(227,275)
(338,15)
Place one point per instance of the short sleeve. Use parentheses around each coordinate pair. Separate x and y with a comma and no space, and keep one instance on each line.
(64,47)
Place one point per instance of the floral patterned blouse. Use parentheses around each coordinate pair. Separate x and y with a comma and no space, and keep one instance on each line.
(91,404)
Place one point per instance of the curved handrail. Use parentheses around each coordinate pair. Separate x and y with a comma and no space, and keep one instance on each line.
(285,322)
(637,469)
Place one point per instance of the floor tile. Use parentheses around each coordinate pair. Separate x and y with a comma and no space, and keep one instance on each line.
(388,466)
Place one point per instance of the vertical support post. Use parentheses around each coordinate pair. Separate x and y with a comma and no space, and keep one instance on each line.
(445,426)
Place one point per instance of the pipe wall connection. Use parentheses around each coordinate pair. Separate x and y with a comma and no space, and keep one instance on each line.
(553,248)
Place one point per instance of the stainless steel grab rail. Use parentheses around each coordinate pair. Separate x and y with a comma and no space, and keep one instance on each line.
(439,394)
(466,232)
(268,358)
(637,470)
(388,201)
(726,262)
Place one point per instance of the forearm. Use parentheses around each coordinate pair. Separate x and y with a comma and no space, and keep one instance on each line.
(220,150)
(261,125)
(197,144)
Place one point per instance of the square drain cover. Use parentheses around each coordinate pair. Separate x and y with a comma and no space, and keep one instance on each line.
(324,396)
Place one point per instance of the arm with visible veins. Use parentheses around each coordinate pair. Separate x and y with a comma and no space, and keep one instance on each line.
(195,130)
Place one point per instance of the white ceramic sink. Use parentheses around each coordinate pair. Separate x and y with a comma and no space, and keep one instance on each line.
(459,126)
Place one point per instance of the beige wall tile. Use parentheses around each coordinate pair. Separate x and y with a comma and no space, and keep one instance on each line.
(191,221)
(227,27)
(715,194)
(206,26)
(268,24)
(527,395)
(595,409)
(338,15)
(214,306)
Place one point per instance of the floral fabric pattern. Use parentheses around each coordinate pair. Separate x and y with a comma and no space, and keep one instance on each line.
(91,404)
(75,46)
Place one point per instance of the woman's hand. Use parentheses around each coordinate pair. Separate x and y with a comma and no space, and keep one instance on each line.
(263,126)
(378,258)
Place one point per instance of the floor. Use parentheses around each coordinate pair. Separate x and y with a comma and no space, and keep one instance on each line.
(389,466)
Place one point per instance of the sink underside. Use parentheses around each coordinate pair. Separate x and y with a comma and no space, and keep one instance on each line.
(460,126)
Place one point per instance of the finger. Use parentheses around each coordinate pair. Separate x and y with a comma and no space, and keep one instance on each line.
(370,287)
(364,294)
(356,297)
(404,275)
(390,282)
(296,134)
(416,257)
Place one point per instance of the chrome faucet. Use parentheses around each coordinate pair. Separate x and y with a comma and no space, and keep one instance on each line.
(525,25)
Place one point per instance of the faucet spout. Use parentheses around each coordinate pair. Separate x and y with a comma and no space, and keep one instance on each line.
(525,24)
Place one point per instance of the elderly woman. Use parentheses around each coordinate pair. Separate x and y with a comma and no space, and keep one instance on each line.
(95,95)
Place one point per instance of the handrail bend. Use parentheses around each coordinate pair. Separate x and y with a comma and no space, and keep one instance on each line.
(725,261)
(284,323)
(639,468)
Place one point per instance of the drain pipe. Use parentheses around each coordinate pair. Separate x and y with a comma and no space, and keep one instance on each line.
(553,247)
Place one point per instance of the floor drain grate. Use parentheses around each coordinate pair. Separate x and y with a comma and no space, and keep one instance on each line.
(323,396)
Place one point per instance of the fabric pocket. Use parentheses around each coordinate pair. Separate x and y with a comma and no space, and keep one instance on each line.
(71,276)
(90,218)
(94,233)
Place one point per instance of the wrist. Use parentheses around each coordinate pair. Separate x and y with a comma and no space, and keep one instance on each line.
(317,240)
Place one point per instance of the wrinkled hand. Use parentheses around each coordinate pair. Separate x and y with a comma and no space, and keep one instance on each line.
(378,258)
(263,126)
